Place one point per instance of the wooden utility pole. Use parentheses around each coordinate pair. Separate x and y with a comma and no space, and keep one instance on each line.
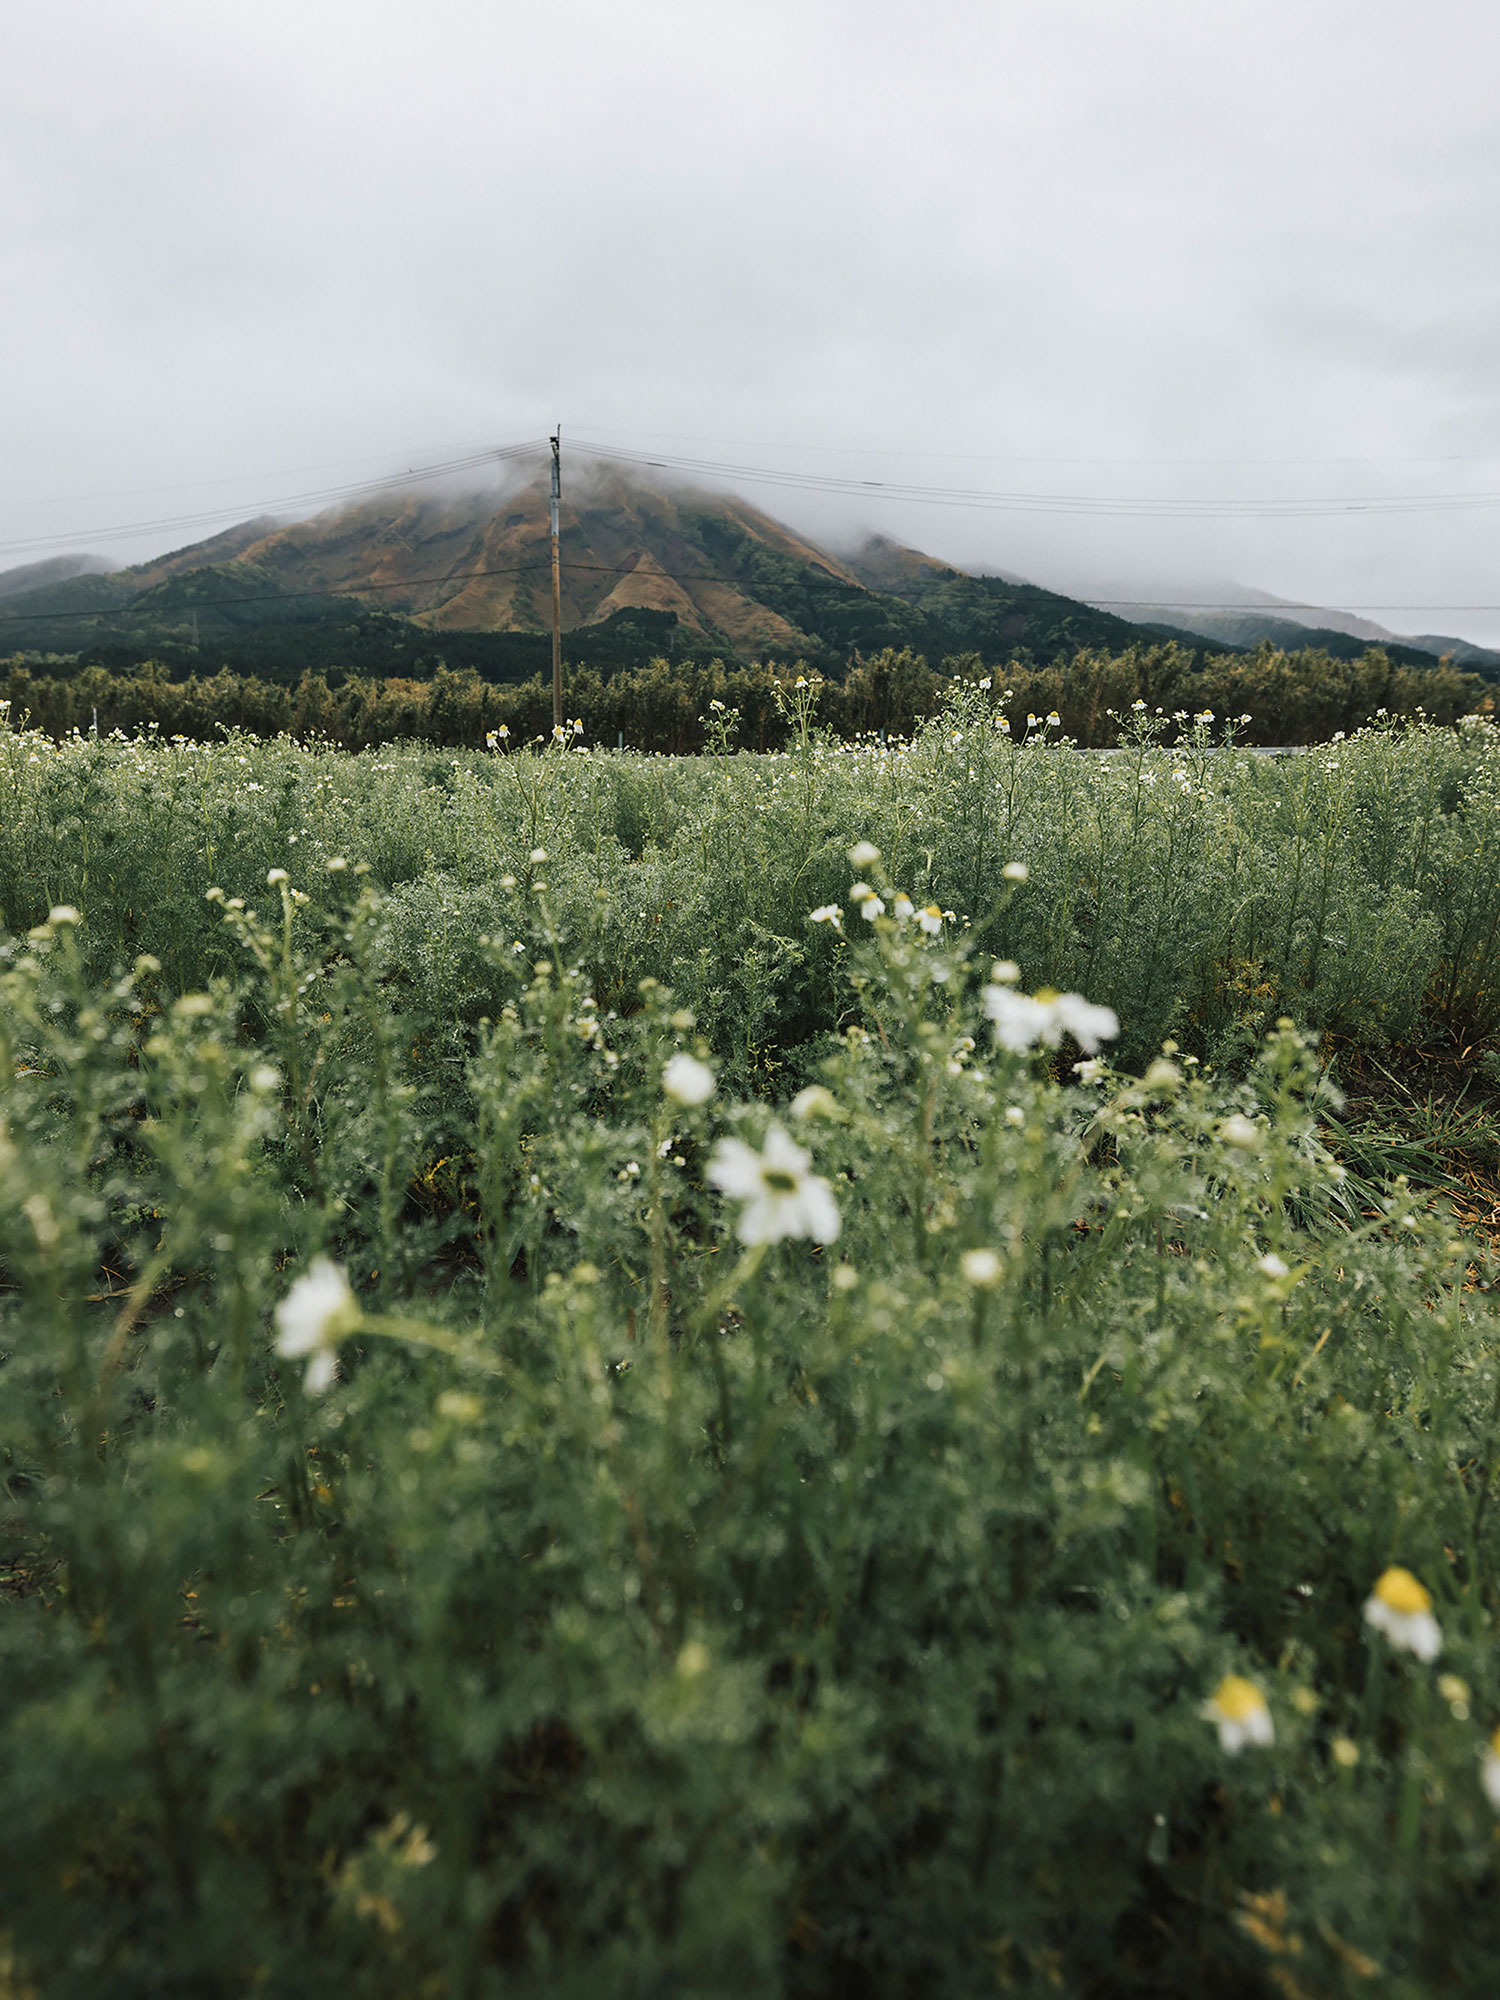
(557,700)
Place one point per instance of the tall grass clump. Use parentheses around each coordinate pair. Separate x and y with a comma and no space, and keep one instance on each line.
(493,1507)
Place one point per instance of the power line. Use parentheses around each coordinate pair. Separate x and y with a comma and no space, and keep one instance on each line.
(235,478)
(906,491)
(325,496)
(1043,503)
(1048,458)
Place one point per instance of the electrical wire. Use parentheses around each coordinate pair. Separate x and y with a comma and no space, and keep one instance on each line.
(905,491)
(235,478)
(1042,457)
(1039,503)
(323,496)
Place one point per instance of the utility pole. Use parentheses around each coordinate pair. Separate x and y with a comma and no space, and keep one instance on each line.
(557,700)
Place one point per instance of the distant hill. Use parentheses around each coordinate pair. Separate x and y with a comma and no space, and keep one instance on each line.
(54,569)
(1477,659)
(1244,617)
(402,582)
(399,582)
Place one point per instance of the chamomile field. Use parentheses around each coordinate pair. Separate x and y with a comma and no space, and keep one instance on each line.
(868,1371)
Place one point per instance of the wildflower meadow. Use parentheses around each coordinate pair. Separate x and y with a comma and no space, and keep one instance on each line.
(774,1375)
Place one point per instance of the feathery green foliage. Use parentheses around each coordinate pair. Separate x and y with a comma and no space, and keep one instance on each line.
(653,1604)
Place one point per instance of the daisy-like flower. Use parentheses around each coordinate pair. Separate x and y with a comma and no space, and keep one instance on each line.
(932,919)
(982,1269)
(1087,1024)
(828,913)
(863,854)
(1015,871)
(1019,1020)
(687,1081)
(311,1320)
(1489,1776)
(781,1198)
(1241,1132)
(871,908)
(1239,1709)
(1023,1019)
(903,907)
(814,1101)
(1402,1609)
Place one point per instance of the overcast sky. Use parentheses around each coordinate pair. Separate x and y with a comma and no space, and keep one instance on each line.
(1201,252)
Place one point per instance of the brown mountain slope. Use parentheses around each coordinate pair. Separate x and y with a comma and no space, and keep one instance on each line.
(481,561)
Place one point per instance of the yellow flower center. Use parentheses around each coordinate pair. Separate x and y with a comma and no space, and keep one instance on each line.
(1237,1699)
(1400,1592)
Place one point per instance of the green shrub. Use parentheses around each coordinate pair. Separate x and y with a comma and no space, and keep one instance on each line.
(616,1584)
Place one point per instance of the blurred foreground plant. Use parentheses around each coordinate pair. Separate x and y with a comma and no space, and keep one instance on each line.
(918,1534)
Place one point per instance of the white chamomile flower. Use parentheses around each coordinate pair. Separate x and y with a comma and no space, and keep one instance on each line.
(871,908)
(687,1081)
(1273,1266)
(1241,1132)
(1019,1020)
(1089,1025)
(1022,1019)
(863,854)
(1489,1776)
(982,1269)
(1239,1709)
(932,919)
(903,907)
(1015,871)
(311,1320)
(815,1101)
(828,913)
(781,1198)
(1401,1608)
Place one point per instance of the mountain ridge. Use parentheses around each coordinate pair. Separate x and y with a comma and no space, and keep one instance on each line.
(390,581)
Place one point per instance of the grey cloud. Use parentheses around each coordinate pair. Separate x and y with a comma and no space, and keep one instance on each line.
(1069,230)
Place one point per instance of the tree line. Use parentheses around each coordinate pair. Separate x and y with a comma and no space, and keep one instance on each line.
(1305,696)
